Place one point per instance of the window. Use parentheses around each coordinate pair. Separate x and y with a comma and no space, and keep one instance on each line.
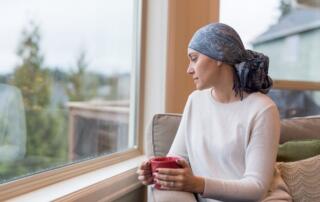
(288,32)
(68,82)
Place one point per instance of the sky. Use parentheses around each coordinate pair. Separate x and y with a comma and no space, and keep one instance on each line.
(249,18)
(103,28)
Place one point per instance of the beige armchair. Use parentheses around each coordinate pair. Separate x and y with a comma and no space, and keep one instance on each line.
(163,128)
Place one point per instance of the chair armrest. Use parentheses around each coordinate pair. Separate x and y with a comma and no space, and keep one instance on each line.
(156,195)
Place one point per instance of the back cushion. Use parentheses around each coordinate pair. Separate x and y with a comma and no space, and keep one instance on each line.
(163,127)
(300,128)
(161,133)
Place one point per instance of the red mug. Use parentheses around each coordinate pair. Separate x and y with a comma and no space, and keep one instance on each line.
(163,162)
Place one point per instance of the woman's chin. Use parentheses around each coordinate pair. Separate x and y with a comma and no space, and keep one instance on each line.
(199,87)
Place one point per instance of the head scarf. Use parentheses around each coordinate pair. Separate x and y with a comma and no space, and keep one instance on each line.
(221,42)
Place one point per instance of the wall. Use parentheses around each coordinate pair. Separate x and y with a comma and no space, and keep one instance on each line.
(185,17)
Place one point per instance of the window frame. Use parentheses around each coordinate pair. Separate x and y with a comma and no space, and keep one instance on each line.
(44,178)
(295,85)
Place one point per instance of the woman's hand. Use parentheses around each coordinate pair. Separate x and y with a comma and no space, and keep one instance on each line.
(145,173)
(179,179)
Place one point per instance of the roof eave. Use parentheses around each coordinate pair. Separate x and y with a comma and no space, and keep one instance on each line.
(290,31)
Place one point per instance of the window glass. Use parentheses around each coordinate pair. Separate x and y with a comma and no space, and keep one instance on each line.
(67,82)
(287,31)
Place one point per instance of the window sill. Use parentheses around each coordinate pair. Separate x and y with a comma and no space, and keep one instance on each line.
(107,183)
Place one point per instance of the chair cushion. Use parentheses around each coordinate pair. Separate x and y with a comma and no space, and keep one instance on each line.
(298,149)
(300,128)
(161,133)
(302,178)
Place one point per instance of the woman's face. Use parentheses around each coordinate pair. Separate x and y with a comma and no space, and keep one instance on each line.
(205,71)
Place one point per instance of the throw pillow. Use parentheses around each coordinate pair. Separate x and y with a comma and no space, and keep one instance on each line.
(298,150)
(302,178)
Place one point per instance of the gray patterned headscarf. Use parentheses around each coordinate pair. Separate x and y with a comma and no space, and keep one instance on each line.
(221,42)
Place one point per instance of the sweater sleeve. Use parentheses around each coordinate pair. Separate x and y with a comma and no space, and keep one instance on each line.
(259,159)
(178,147)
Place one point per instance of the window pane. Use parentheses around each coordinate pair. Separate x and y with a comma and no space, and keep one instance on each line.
(292,103)
(67,82)
(287,31)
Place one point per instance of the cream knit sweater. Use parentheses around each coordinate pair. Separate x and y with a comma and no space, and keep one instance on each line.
(233,146)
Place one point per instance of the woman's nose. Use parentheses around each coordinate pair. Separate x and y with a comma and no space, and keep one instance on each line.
(190,70)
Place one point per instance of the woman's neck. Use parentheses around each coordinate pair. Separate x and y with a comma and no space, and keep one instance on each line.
(224,96)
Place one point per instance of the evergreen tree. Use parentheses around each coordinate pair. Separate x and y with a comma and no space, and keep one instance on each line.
(30,76)
(46,138)
(82,86)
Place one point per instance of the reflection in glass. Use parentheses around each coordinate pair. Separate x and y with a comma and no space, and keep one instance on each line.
(292,103)
(12,125)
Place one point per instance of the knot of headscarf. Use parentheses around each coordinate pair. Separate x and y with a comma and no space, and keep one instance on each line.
(253,73)
(221,42)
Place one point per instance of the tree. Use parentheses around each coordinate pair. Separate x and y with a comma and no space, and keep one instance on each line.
(45,128)
(82,86)
(29,76)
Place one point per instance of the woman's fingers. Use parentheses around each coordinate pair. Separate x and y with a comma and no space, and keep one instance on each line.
(183,163)
(165,177)
(170,171)
(144,172)
(169,184)
(144,168)
(146,180)
(144,177)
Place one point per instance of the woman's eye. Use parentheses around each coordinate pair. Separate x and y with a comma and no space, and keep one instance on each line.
(193,59)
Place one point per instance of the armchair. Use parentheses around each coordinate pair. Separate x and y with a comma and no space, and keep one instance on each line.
(163,127)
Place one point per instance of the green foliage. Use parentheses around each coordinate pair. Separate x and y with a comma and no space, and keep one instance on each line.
(82,86)
(46,128)
(30,77)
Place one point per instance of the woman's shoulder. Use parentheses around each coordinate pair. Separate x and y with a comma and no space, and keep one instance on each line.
(260,100)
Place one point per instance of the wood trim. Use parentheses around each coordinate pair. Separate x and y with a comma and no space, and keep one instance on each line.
(296,85)
(36,181)
(141,123)
(106,190)
(185,17)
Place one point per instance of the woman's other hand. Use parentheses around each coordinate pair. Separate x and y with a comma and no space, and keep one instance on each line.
(144,173)
(179,179)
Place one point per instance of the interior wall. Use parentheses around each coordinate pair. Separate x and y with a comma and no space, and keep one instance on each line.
(184,18)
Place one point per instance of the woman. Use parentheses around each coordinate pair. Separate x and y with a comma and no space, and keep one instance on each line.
(230,129)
